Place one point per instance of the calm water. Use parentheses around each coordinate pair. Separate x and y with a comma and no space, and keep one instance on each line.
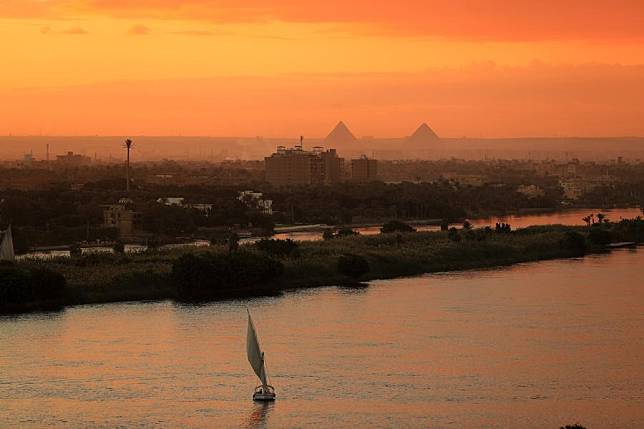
(566,217)
(531,346)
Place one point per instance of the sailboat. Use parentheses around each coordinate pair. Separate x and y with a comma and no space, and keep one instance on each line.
(6,246)
(263,392)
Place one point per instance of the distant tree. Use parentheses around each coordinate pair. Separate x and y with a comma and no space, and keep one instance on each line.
(328,235)
(600,217)
(444,225)
(396,226)
(262,221)
(587,219)
(469,234)
(278,248)
(453,234)
(233,242)
(575,426)
(354,266)
(119,247)
(467,226)
(503,228)
(346,232)
(75,250)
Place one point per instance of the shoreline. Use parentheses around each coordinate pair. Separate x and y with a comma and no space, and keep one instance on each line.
(98,278)
(198,240)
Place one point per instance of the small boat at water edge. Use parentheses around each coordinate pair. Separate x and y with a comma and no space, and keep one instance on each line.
(263,392)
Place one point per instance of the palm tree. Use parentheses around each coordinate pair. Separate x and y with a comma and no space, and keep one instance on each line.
(600,217)
(587,220)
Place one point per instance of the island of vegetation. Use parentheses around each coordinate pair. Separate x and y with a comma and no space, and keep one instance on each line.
(271,266)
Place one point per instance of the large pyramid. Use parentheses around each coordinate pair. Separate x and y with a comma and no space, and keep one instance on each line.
(340,137)
(423,136)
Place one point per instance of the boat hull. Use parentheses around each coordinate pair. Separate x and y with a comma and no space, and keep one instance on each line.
(264,394)
(264,397)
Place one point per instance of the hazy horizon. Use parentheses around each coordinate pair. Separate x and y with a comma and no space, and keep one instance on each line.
(277,68)
(202,148)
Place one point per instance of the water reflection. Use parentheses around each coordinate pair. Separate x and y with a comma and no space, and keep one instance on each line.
(259,415)
(532,345)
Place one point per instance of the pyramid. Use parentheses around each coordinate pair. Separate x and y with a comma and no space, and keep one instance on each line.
(340,136)
(423,136)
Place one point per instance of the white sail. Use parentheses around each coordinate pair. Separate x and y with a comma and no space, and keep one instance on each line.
(255,354)
(6,247)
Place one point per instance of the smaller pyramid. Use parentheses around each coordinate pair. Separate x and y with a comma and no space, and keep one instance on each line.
(340,136)
(423,136)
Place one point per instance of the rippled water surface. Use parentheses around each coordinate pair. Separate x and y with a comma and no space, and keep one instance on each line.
(531,346)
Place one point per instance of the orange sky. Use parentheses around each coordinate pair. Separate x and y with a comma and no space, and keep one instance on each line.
(286,67)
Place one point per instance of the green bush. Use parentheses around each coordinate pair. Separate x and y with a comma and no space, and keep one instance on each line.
(346,232)
(119,247)
(278,248)
(354,266)
(341,233)
(201,276)
(47,285)
(396,226)
(21,287)
(574,241)
(599,236)
(453,234)
(14,285)
(630,230)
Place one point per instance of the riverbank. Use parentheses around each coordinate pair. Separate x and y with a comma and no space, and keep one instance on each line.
(101,278)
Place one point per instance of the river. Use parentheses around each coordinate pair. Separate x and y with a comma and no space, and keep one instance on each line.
(534,345)
(563,217)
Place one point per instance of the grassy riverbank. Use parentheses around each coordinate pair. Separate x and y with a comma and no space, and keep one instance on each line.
(148,276)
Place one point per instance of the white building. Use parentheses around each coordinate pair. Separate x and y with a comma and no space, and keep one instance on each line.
(531,191)
(171,201)
(255,200)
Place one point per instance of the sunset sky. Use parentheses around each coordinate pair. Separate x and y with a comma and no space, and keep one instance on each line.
(479,68)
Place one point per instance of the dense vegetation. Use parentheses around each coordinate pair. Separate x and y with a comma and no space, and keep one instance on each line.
(271,266)
(279,248)
(396,226)
(212,275)
(353,266)
(30,289)
(60,215)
